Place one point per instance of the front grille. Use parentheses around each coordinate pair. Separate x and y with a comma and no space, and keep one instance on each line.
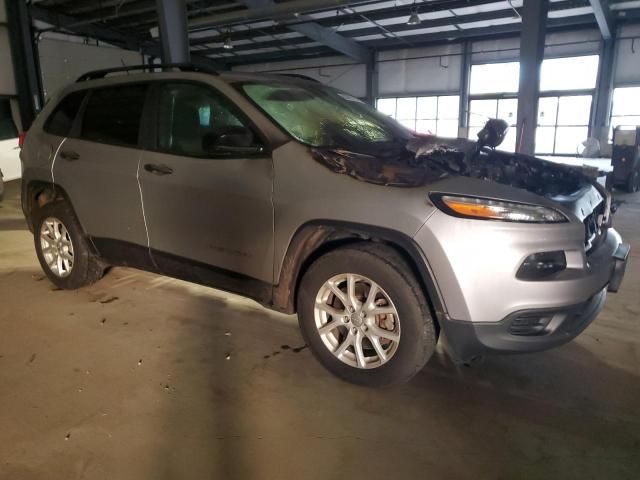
(593,227)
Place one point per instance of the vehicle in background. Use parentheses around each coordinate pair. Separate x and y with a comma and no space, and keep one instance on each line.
(625,158)
(9,143)
(309,201)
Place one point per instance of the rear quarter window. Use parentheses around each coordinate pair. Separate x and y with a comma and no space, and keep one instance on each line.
(113,114)
(61,120)
(7,127)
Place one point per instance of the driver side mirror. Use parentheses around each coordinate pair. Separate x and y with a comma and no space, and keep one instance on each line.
(493,133)
(230,139)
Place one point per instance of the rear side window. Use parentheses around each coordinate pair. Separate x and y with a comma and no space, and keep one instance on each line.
(113,115)
(61,120)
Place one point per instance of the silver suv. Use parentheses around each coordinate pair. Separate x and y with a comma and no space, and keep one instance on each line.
(307,200)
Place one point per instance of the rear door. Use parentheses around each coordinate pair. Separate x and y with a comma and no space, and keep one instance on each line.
(97,165)
(204,202)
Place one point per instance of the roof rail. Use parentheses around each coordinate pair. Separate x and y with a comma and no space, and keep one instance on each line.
(184,67)
(300,76)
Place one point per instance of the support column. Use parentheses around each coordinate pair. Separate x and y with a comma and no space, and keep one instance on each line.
(465,75)
(604,95)
(534,18)
(24,57)
(172,19)
(372,80)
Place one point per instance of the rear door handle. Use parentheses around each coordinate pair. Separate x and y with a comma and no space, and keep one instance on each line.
(158,169)
(69,155)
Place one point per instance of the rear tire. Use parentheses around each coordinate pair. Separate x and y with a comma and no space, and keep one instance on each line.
(362,346)
(62,247)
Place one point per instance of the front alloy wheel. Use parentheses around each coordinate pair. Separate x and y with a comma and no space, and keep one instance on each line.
(357,321)
(364,316)
(57,247)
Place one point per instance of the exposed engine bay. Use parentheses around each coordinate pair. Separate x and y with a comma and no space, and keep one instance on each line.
(426,159)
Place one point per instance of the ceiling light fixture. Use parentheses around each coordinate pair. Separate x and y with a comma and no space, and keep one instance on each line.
(414,18)
(227,45)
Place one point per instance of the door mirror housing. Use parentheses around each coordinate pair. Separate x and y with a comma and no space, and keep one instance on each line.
(230,139)
(493,133)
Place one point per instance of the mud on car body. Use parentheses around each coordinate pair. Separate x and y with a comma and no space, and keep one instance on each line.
(310,202)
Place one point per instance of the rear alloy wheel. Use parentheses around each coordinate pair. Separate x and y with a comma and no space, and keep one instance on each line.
(57,247)
(62,247)
(364,315)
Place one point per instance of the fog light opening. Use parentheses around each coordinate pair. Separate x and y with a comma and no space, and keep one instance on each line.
(541,265)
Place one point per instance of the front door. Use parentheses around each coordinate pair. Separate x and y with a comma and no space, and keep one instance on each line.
(207,190)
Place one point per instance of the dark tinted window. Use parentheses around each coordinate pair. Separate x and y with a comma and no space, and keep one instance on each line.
(113,114)
(195,120)
(61,120)
(7,127)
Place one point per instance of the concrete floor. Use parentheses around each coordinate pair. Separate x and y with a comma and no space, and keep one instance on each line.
(144,377)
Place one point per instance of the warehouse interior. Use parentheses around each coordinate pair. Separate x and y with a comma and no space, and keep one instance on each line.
(145,376)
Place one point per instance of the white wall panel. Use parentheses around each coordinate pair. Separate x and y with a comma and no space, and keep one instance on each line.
(62,62)
(400,72)
(627,69)
(565,44)
(345,75)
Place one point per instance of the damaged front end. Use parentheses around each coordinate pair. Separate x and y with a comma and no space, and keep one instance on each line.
(424,160)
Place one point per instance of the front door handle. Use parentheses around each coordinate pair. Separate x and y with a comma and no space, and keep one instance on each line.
(69,155)
(158,169)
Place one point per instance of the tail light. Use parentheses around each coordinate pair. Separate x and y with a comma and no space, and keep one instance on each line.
(21,138)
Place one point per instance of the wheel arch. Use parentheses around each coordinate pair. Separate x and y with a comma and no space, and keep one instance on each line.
(316,238)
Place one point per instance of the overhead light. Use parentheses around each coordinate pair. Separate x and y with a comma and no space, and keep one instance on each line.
(414,18)
(154,32)
(227,45)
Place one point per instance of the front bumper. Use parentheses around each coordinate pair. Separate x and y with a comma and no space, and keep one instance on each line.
(487,309)
(532,330)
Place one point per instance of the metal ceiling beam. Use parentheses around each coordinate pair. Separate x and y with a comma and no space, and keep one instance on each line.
(298,54)
(382,14)
(115,37)
(320,34)
(276,12)
(604,18)
(487,32)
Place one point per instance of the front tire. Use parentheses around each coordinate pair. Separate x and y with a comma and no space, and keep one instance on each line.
(62,247)
(365,317)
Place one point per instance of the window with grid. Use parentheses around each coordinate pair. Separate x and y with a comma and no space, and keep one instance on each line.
(436,115)
(563,118)
(482,110)
(563,124)
(493,89)
(626,108)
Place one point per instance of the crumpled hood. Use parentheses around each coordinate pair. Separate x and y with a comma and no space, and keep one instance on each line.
(427,159)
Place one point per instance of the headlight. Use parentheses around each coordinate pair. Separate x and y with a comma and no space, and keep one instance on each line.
(487,209)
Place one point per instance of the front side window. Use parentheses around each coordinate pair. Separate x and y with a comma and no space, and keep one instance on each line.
(61,120)
(113,114)
(194,120)
(324,117)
